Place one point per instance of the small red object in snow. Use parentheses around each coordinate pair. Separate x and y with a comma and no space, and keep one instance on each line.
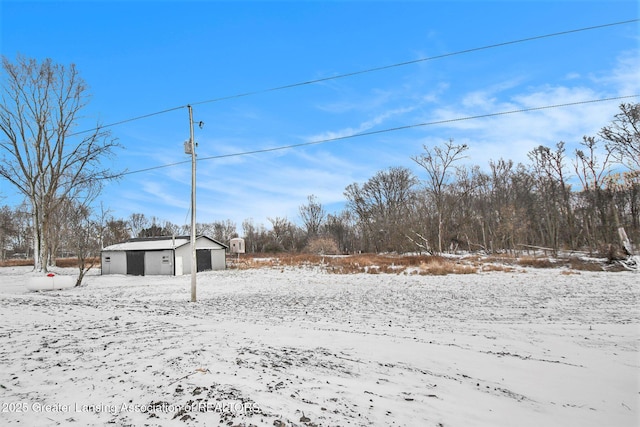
(50,275)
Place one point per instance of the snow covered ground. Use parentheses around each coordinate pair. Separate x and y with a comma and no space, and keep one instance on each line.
(298,346)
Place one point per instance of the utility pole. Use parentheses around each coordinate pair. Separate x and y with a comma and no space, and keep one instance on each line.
(194,258)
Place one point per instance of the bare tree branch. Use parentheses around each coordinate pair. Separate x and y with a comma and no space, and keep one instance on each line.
(41,103)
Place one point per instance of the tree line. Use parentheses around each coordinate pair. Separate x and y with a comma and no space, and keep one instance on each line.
(584,200)
(559,200)
(575,201)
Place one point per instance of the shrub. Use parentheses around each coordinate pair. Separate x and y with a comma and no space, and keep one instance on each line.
(528,261)
(322,246)
(584,265)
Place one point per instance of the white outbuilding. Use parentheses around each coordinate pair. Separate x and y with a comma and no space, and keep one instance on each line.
(163,256)
(236,245)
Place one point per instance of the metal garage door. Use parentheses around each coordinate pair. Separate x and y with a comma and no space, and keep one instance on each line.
(203,257)
(135,263)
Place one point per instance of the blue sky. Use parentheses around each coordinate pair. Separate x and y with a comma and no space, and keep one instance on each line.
(142,57)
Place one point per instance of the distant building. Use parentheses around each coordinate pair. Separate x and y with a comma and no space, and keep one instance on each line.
(163,256)
(236,245)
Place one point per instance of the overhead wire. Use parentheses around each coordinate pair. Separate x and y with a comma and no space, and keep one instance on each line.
(355,73)
(415,61)
(380,131)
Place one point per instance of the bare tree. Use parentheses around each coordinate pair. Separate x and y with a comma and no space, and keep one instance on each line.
(250,235)
(549,168)
(137,222)
(463,222)
(622,136)
(382,205)
(439,165)
(41,157)
(496,203)
(257,237)
(81,234)
(7,230)
(224,231)
(114,231)
(22,238)
(313,215)
(170,228)
(284,235)
(592,172)
(341,228)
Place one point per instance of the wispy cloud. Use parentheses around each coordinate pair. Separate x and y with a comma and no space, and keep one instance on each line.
(512,136)
(486,98)
(363,126)
(625,77)
(267,187)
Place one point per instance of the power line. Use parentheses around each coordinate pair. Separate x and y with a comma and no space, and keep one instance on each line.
(415,61)
(376,132)
(369,70)
(145,116)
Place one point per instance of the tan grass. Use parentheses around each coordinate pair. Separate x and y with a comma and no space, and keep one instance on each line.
(360,263)
(496,267)
(60,262)
(569,272)
(583,265)
(535,262)
(73,262)
(16,263)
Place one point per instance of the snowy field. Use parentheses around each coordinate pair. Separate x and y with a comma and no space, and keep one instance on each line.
(281,347)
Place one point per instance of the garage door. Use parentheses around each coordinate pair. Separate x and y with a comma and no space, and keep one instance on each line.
(203,257)
(135,263)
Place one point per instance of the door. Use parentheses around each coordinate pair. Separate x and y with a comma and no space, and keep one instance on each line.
(135,263)
(203,258)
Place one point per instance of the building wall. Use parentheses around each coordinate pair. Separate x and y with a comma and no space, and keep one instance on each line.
(218,255)
(158,262)
(114,262)
(218,258)
(184,253)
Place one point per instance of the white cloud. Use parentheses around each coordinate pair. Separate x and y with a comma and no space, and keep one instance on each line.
(363,126)
(512,136)
(486,98)
(270,186)
(626,75)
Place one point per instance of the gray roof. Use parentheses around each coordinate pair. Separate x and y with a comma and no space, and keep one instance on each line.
(156,243)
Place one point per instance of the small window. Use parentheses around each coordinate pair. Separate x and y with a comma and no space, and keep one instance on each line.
(107,259)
